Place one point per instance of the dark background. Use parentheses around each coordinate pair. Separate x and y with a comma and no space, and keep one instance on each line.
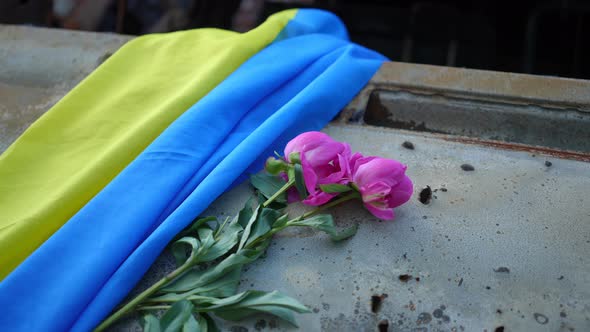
(526,36)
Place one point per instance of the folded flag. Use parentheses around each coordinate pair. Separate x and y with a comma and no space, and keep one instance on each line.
(296,84)
(67,156)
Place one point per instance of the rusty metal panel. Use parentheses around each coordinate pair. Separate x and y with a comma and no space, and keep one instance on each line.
(559,129)
(505,245)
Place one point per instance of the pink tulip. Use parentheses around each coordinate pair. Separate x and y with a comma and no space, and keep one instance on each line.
(323,160)
(382,183)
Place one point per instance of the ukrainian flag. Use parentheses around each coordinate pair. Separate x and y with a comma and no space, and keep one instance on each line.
(94,190)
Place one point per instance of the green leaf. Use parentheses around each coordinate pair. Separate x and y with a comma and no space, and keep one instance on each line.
(334,188)
(150,323)
(200,278)
(192,325)
(300,181)
(247,303)
(245,213)
(345,233)
(248,228)
(226,240)
(263,224)
(222,287)
(268,185)
(192,230)
(325,223)
(281,221)
(204,233)
(174,318)
(179,249)
(211,326)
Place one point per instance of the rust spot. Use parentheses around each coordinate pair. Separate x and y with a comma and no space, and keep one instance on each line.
(405,277)
(563,154)
(376,302)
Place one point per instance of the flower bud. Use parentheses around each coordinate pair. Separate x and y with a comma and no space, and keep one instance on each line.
(295,158)
(275,166)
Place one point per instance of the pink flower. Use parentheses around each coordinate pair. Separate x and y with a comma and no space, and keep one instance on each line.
(382,183)
(323,160)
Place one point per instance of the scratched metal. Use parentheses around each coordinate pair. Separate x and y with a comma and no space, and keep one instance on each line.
(505,245)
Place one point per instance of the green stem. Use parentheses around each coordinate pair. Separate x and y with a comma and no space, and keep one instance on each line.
(154,307)
(221,228)
(301,217)
(134,304)
(317,210)
(279,192)
(127,308)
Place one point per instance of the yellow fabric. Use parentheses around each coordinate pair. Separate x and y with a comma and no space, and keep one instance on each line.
(67,156)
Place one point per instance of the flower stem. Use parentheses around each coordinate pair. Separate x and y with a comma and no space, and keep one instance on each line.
(154,307)
(317,210)
(279,192)
(139,299)
(301,217)
(127,308)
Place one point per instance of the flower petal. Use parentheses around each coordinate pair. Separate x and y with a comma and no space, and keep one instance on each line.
(309,176)
(373,169)
(318,198)
(306,141)
(375,191)
(383,214)
(401,193)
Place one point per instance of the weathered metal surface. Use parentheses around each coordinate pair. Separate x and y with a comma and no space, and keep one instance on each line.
(561,93)
(39,66)
(504,245)
(563,129)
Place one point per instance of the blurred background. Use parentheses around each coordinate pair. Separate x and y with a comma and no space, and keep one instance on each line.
(526,36)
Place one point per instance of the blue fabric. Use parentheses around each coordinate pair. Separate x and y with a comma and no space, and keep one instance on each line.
(297,84)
